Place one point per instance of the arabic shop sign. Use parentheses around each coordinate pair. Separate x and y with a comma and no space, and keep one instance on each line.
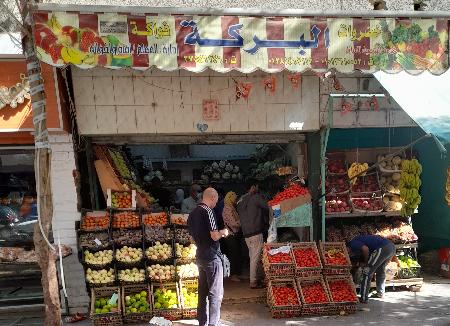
(225,43)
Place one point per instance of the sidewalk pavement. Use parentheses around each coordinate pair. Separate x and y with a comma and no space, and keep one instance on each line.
(430,307)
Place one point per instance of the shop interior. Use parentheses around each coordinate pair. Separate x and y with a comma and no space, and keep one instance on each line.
(167,172)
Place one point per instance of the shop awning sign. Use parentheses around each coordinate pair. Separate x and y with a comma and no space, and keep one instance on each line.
(246,44)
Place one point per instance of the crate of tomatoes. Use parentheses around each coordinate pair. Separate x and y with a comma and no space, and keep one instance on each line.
(93,221)
(314,296)
(278,261)
(306,259)
(335,259)
(342,294)
(283,299)
(126,220)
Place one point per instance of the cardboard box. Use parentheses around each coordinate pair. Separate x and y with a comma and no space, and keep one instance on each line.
(289,204)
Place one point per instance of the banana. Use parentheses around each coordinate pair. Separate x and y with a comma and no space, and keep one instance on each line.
(409,186)
(54,25)
(71,55)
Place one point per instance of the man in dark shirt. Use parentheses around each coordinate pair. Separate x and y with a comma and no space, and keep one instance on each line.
(375,253)
(207,231)
(252,210)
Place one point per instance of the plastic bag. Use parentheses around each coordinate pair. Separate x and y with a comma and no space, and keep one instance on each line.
(272,233)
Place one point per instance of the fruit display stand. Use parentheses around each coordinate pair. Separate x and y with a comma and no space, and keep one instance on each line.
(161,301)
(283,298)
(306,258)
(113,318)
(335,259)
(280,265)
(314,296)
(342,294)
(144,311)
(189,288)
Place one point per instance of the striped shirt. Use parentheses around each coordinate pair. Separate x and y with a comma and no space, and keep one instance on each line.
(201,222)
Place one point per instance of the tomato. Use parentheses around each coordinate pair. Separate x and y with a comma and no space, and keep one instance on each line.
(306,257)
(342,291)
(284,296)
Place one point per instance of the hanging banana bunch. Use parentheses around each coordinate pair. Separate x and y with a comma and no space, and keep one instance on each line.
(409,186)
(447,187)
(355,169)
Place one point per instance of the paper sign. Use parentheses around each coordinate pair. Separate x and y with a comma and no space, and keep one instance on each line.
(283,250)
(113,299)
(98,242)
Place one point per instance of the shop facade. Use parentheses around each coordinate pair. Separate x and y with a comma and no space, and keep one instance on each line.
(213,96)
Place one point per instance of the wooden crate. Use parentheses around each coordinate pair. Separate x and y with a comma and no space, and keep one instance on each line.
(332,269)
(288,311)
(168,313)
(110,318)
(313,309)
(306,271)
(339,306)
(190,285)
(277,270)
(136,317)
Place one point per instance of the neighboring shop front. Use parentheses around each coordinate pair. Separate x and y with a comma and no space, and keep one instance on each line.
(19,272)
(226,98)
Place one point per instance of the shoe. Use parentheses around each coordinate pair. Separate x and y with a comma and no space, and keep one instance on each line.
(256,286)
(235,278)
(378,295)
(361,300)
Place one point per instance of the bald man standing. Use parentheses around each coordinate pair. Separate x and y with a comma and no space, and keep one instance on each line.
(206,231)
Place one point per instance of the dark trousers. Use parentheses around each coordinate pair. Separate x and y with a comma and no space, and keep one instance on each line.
(376,264)
(233,245)
(210,286)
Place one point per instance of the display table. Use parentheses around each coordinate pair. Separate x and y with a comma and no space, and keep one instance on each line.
(300,216)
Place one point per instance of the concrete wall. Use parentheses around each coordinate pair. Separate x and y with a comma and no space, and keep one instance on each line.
(133,102)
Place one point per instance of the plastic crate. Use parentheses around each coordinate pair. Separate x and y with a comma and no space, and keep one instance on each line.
(124,264)
(148,217)
(158,233)
(110,318)
(99,285)
(168,313)
(124,282)
(305,271)
(339,306)
(93,245)
(135,238)
(136,317)
(314,309)
(330,268)
(287,311)
(191,286)
(157,281)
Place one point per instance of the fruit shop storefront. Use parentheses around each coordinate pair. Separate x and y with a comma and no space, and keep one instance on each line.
(212,100)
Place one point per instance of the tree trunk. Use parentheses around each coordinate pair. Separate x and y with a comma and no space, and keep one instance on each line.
(45,254)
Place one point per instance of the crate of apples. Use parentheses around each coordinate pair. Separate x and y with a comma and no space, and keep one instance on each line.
(129,255)
(133,275)
(99,258)
(366,204)
(306,258)
(283,299)
(101,277)
(161,273)
(95,221)
(155,219)
(278,261)
(336,164)
(337,204)
(187,271)
(159,252)
(337,184)
(367,183)
(126,220)
(342,293)
(121,199)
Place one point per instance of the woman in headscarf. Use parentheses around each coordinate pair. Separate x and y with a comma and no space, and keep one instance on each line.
(233,241)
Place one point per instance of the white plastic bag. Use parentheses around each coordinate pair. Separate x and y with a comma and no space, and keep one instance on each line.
(272,233)
(160,321)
